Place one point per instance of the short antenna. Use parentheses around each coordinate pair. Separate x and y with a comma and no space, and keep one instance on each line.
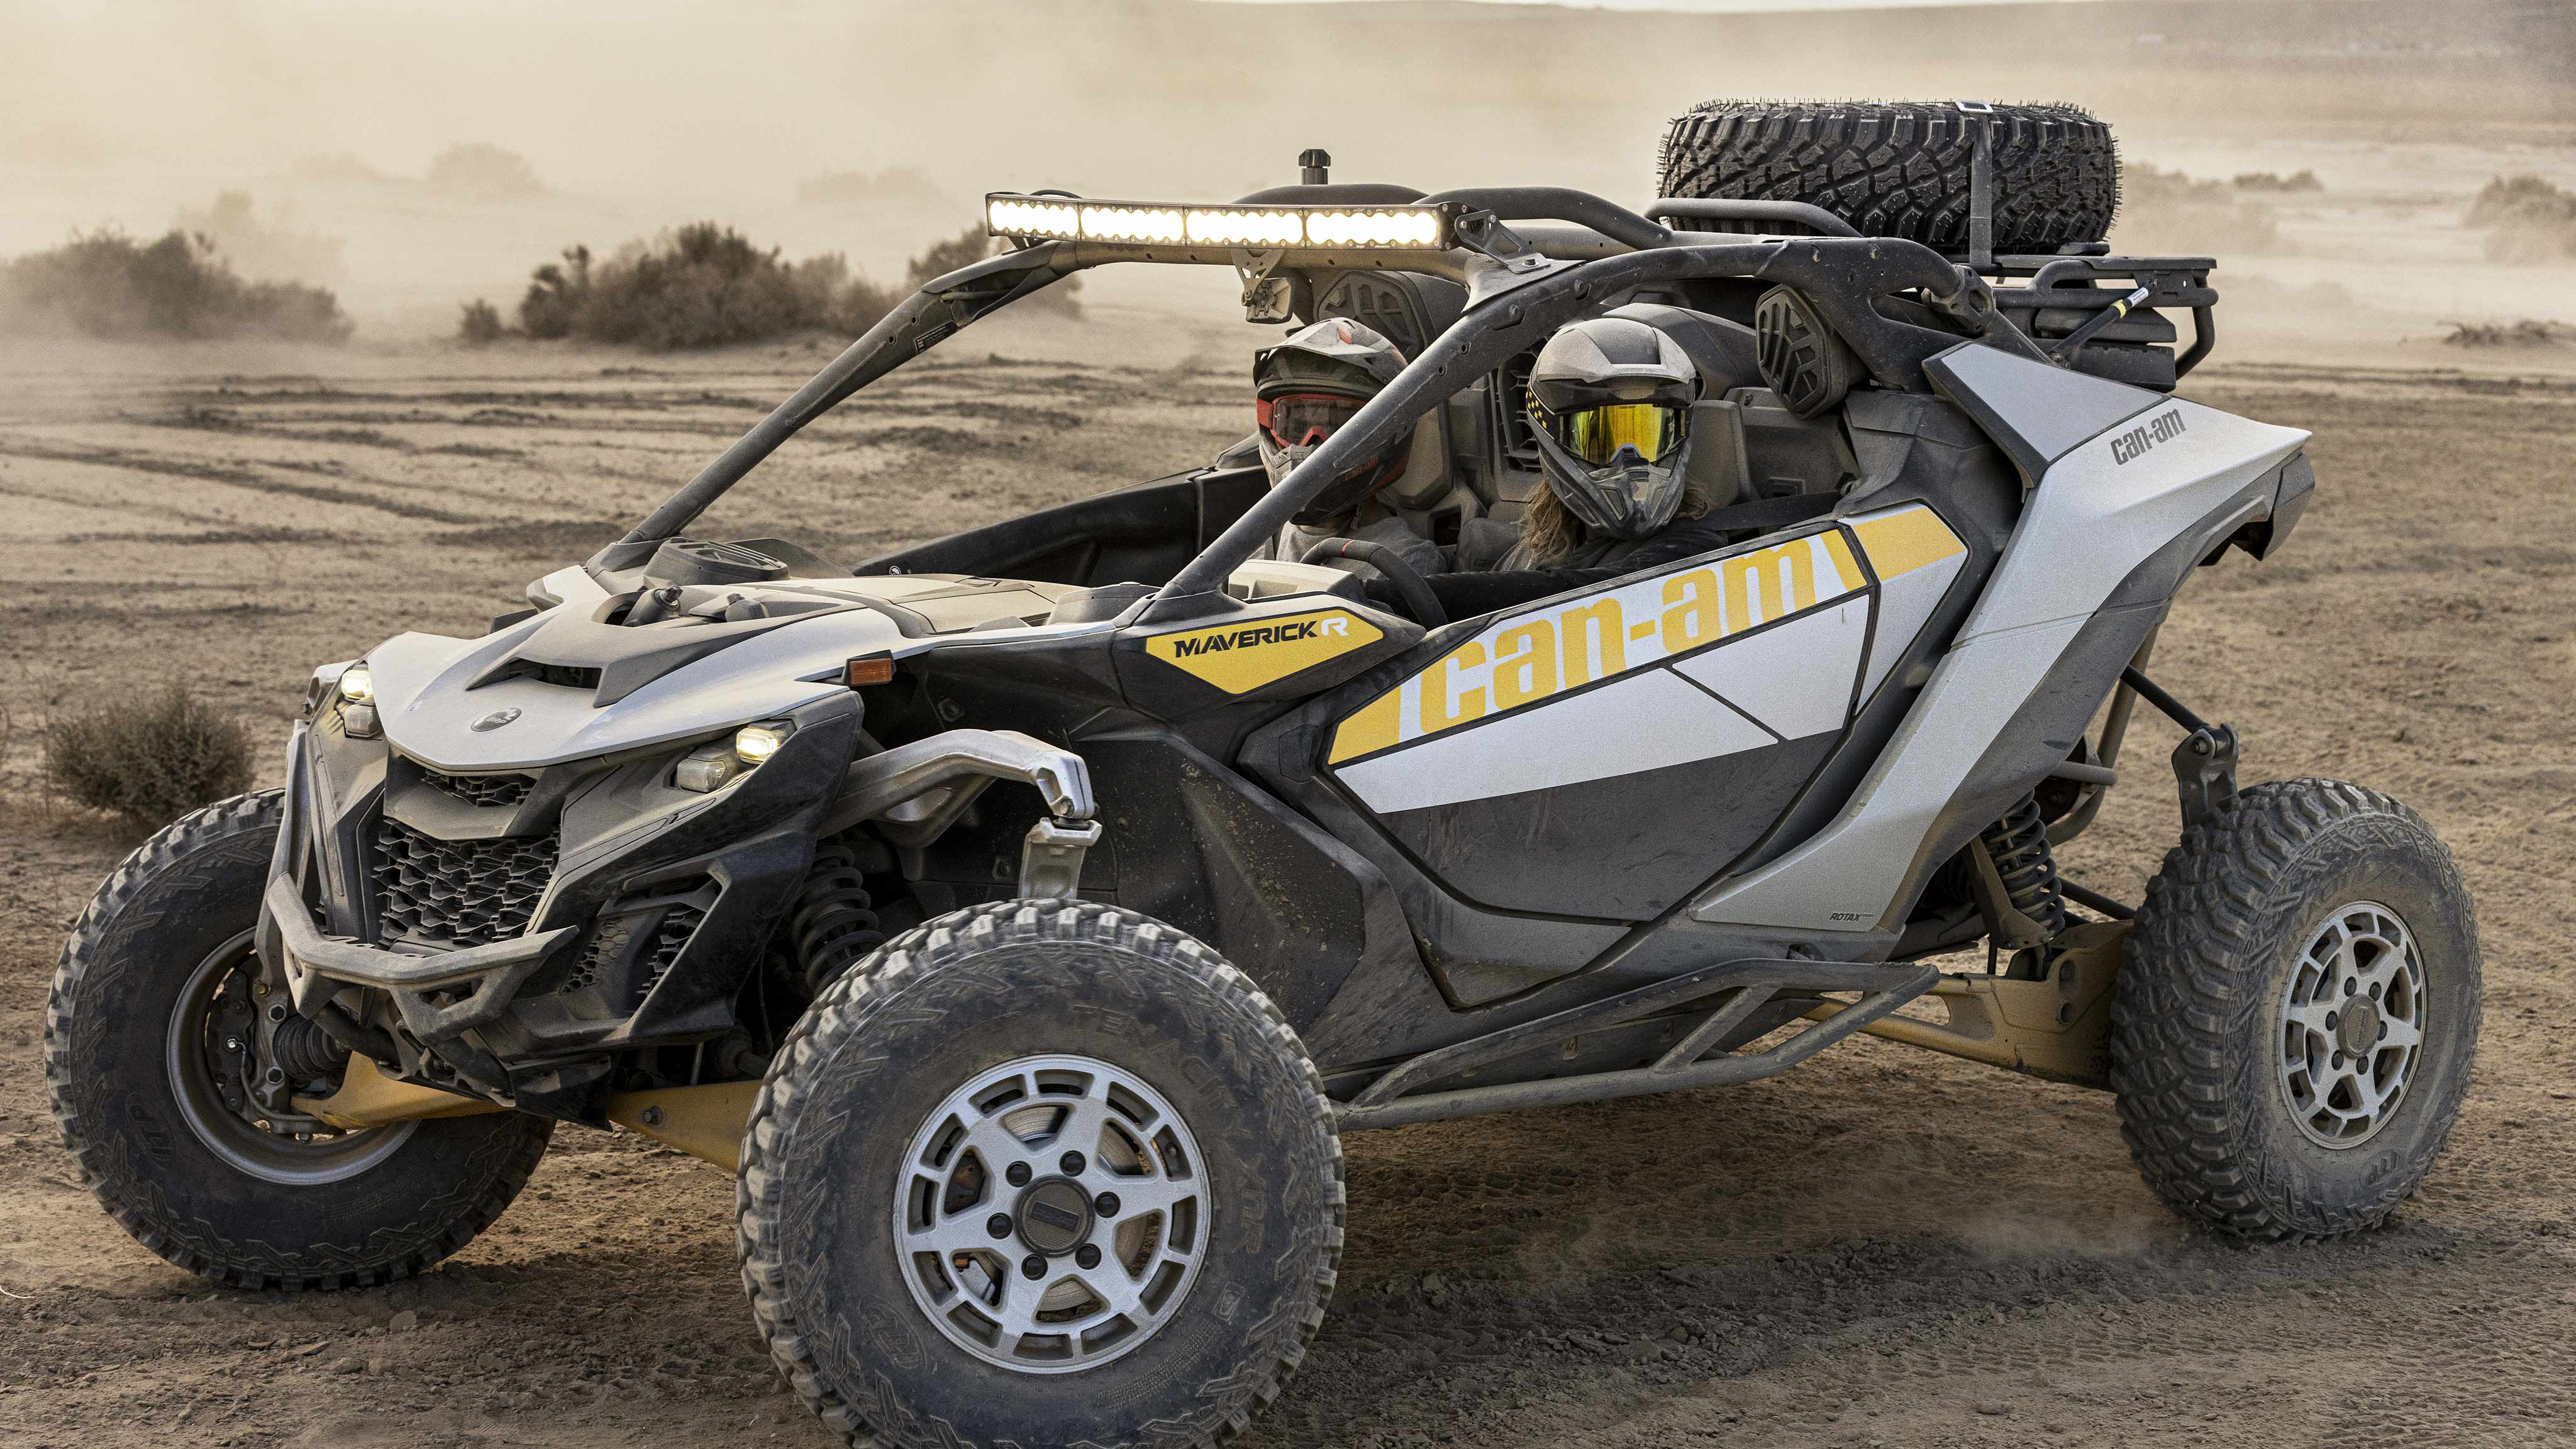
(1314,166)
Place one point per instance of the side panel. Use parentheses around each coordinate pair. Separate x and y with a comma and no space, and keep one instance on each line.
(2099,512)
(1601,755)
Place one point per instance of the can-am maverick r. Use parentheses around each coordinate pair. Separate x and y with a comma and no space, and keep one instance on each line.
(1023,916)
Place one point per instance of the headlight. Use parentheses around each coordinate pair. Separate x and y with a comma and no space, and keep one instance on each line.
(358,702)
(754,744)
(712,767)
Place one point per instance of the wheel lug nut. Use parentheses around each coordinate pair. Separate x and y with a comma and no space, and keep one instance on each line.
(1072,1164)
(2330,1019)
(1034,1266)
(2350,985)
(2383,1031)
(1018,1173)
(999,1225)
(277,1011)
(1106,1204)
(1088,1255)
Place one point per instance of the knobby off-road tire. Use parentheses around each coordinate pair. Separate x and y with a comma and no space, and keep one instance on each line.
(870,1091)
(2221,1054)
(371,1207)
(1902,169)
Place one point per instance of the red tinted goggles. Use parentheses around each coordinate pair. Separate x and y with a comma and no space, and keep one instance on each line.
(1299,418)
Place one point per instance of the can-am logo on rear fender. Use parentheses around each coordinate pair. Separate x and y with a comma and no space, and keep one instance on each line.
(1241,657)
(495,719)
(2136,441)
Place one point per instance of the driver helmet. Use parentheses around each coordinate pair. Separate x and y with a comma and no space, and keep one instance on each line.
(1610,402)
(1308,386)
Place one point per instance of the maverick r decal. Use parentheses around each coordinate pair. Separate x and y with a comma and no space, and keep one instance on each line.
(1241,657)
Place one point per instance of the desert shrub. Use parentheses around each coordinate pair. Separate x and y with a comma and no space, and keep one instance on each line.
(2168,211)
(2528,332)
(705,285)
(107,284)
(2274,182)
(973,245)
(482,172)
(151,761)
(2528,221)
(480,326)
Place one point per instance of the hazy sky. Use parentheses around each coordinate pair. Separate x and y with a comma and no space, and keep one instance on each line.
(1715,5)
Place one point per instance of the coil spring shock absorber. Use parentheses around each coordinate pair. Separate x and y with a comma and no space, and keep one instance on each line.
(835,920)
(2018,845)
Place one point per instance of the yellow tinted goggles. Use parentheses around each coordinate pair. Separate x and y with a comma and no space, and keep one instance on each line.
(1596,435)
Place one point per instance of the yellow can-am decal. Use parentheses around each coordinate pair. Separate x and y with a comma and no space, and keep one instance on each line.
(1241,657)
(1524,658)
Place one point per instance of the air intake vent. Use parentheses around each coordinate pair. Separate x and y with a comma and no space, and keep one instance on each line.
(1800,357)
(480,790)
(434,892)
(566,676)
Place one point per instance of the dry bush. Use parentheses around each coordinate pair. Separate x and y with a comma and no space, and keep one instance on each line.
(2304,181)
(707,286)
(2167,211)
(2528,332)
(2528,221)
(481,172)
(107,284)
(149,762)
(480,326)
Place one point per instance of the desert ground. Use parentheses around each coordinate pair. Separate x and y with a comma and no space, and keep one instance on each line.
(1881,1248)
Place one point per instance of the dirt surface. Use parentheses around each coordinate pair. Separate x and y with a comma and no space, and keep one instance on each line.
(1884,1247)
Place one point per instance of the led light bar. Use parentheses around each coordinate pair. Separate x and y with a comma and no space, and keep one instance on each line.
(1147,223)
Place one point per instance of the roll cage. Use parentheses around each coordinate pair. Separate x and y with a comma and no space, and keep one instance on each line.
(1574,254)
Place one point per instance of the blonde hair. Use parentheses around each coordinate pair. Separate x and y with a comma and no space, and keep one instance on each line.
(1550,531)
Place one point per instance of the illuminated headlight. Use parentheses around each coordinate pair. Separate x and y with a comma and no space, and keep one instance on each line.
(358,702)
(754,744)
(1006,217)
(1246,228)
(1392,227)
(1132,223)
(712,767)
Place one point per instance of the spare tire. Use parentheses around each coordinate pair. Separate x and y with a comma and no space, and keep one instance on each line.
(1900,169)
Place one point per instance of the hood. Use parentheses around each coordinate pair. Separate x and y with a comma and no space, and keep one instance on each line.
(566,684)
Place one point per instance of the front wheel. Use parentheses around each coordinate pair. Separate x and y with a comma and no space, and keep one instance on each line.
(2298,1014)
(166,1101)
(1040,1173)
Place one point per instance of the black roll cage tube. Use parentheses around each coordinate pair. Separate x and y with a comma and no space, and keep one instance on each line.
(1840,276)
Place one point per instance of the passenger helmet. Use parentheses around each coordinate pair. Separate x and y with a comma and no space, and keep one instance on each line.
(1610,401)
(1307,387)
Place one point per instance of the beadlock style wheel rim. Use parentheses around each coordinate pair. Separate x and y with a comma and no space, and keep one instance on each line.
(209,1061)
(1052,1214)
(2351,1025)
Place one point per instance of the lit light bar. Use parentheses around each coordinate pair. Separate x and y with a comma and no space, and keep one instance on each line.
(1146,223)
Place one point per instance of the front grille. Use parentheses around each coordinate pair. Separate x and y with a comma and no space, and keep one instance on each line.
(458,892)
(480,790)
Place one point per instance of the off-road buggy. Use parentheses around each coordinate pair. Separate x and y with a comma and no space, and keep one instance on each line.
(1025,915)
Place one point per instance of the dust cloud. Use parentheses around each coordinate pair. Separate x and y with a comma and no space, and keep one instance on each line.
(873,130)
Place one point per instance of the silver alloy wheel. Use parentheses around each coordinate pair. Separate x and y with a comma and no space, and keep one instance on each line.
(2351,1025)
(1062,1164)
(209,1049)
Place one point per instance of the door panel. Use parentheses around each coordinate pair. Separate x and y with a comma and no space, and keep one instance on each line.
(1601,754)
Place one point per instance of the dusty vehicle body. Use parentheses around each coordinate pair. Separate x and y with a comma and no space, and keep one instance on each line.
(639,850)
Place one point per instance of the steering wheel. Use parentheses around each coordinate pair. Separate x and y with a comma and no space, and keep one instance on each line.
(1423,604)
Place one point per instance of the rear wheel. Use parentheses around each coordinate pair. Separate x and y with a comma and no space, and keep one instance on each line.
(1902,169)
(166,1103)
(1040,1173)
(2298,1014)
